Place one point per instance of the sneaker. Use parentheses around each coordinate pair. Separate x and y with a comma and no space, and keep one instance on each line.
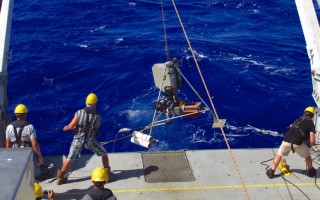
(270,173)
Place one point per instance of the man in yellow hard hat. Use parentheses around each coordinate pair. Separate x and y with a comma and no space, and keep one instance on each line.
(99,178)
(38,193)
(21,134)
(301,131)
(84,125)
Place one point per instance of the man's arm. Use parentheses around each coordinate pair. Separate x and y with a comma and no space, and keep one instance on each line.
(72,124)
(8,140)
(312,139)
(36,148)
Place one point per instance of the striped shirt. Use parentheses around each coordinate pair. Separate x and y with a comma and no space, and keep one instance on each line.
(82,122)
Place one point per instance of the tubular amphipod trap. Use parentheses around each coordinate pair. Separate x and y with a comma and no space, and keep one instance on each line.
(142,139)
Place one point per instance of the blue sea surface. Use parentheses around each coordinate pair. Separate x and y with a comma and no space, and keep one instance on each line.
(252,56)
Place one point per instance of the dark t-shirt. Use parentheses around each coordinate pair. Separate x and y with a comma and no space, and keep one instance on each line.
(99,194)
(300,130)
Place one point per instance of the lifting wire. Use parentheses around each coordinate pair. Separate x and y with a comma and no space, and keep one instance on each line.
(164,76)
(168,58)
(209,96)
(165,33)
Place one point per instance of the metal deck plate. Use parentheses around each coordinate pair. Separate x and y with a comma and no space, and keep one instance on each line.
(166,167)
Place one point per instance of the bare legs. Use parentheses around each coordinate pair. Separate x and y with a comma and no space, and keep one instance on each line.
(309,162)
(105,161)
(66,165)
(276,161)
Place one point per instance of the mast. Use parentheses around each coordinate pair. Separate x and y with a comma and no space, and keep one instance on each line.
(311,31)
(6,8)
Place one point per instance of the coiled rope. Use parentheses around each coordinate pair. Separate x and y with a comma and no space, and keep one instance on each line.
(215,112)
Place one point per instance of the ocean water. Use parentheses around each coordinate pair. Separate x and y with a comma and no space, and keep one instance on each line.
(251,53)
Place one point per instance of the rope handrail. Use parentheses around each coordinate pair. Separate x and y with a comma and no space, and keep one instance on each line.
(207,91)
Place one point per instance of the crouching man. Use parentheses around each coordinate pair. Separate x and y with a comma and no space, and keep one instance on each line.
(98,191)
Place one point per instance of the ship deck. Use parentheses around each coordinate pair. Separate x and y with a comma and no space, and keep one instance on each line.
(199,174)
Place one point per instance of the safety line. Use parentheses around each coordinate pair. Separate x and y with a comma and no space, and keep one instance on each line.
(209,97)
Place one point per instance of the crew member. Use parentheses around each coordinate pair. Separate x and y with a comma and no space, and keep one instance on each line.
(84,125)
(21,134)
(300,132)
(38,193)
(98,191)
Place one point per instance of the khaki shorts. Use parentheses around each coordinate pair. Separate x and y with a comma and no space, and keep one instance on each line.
(302,150)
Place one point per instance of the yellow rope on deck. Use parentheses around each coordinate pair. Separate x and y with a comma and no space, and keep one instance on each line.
(215,112)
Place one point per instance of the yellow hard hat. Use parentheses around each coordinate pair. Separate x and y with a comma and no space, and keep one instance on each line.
(99,175)
(20,109)
(91,99)
(309,109)
(37,191)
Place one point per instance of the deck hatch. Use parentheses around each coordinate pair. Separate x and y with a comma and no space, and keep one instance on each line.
(166,167)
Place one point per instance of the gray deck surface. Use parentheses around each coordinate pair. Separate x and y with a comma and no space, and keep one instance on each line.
(213,170)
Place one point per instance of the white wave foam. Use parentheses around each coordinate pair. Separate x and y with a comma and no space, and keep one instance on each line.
(118,40)
(199,136)
(160,146)
(98,29)
(132,4)
(48,81)
(235,131)
(243,131)
(255,11)
(199,55)
(262,131)
(82,45)
(133,114)
(106,108)
(268,68)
